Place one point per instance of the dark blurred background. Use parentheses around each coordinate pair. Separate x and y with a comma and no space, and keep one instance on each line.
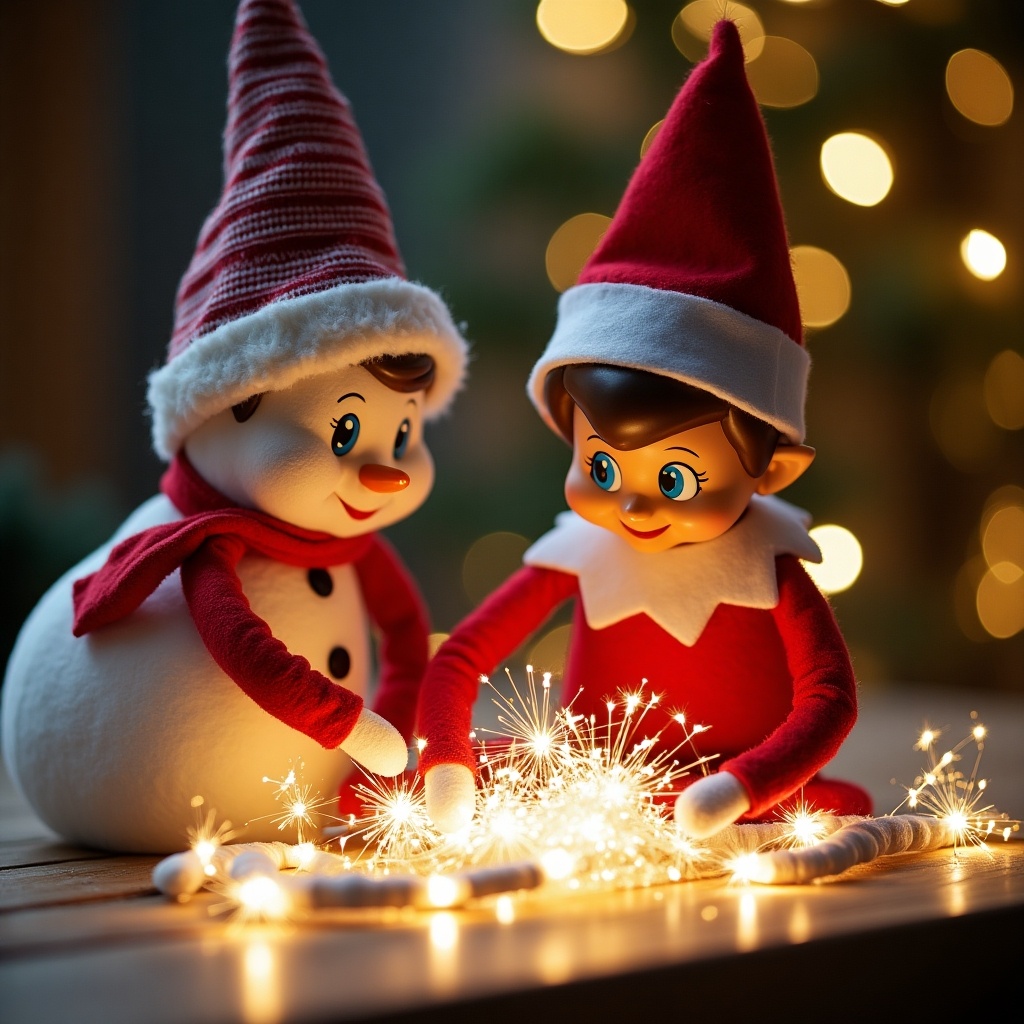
(486,138)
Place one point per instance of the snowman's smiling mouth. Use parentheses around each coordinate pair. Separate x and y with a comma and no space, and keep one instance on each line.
(356,513)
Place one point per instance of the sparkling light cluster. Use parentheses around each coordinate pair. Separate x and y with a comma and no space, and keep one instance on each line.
(584,797)
(955,797)
(567,803)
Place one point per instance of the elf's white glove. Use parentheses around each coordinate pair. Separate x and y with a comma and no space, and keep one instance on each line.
(451,796)
(376,744)
(710,804)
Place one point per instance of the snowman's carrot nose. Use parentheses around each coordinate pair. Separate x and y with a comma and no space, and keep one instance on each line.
(383,479)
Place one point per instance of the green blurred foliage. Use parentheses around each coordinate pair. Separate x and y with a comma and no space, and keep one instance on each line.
(43,531)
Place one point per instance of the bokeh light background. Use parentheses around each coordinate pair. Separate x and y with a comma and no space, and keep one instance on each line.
(503,134)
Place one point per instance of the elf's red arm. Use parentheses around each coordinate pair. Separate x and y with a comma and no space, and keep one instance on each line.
(824,695)
(478,644)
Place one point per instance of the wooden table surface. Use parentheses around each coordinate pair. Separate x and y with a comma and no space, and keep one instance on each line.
(84,937)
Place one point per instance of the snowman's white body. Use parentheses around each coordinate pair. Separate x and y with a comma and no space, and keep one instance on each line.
(111,735)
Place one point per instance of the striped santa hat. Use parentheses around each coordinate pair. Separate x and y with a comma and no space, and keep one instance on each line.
(296,270)
(692,279)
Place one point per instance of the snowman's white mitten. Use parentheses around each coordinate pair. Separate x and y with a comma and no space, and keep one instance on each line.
(451,796)
(710,804)
(376,744)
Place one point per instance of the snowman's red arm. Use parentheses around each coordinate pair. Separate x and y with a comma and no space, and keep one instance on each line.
(395,606)
(282,683)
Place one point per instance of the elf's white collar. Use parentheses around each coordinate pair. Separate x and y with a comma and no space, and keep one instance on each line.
(680,588)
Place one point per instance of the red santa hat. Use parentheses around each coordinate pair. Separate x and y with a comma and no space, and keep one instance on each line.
(692,279)
(296,269)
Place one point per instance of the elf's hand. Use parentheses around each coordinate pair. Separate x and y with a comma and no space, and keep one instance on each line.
(376,744)
(710,804)
(451,796)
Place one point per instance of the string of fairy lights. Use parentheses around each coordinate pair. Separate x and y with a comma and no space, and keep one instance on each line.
(566,805)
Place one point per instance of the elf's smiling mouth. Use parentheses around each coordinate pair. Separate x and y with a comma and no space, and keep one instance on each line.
(649,535)
(356,513)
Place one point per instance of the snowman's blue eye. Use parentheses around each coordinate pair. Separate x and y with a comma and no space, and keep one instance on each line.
(604,471)
(402,438)
(679,482)
(346,430)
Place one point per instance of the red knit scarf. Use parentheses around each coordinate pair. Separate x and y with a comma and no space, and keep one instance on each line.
(137,566)
(208,545)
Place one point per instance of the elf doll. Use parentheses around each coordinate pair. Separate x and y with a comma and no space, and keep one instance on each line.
(222,635)
(677,373)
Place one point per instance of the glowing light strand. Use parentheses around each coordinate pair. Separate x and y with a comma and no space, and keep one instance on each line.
(566,803)
(949,813)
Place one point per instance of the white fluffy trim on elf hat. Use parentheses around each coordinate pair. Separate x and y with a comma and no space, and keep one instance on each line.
(751,364)
(285,341)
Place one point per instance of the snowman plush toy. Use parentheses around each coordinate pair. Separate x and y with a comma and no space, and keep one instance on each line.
(223,635)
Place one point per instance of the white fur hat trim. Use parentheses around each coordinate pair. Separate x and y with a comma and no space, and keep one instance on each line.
(285,341)
(749,363)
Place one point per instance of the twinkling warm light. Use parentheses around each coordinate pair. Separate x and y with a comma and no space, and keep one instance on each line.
(652,134)
(805,826)
(302,805)
(570,247)
(995,582)
(1000,601)
(783,74)
(443,891)
(558,864)
(584,26)
(856,168)
(822,285)
(1004,390)
(742,867)
(395,818)
(260,898)
(1002,539)
(207,836)
(505,910)
(979,87)
(842,559)
(953,795)
(983,254)
(692,27)
(490,561)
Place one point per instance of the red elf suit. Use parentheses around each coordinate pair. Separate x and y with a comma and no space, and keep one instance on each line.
(691,281)
(730,631)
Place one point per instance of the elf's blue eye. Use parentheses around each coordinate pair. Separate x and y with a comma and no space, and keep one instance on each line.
(402,438)
(346,430)
(679,482)
(604,471)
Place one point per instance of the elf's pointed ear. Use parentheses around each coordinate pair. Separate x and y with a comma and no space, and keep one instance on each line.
(788,464)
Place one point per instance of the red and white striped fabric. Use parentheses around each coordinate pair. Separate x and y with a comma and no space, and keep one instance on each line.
(297,269)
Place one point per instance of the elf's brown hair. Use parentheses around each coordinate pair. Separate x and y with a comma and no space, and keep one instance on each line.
(632,408)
